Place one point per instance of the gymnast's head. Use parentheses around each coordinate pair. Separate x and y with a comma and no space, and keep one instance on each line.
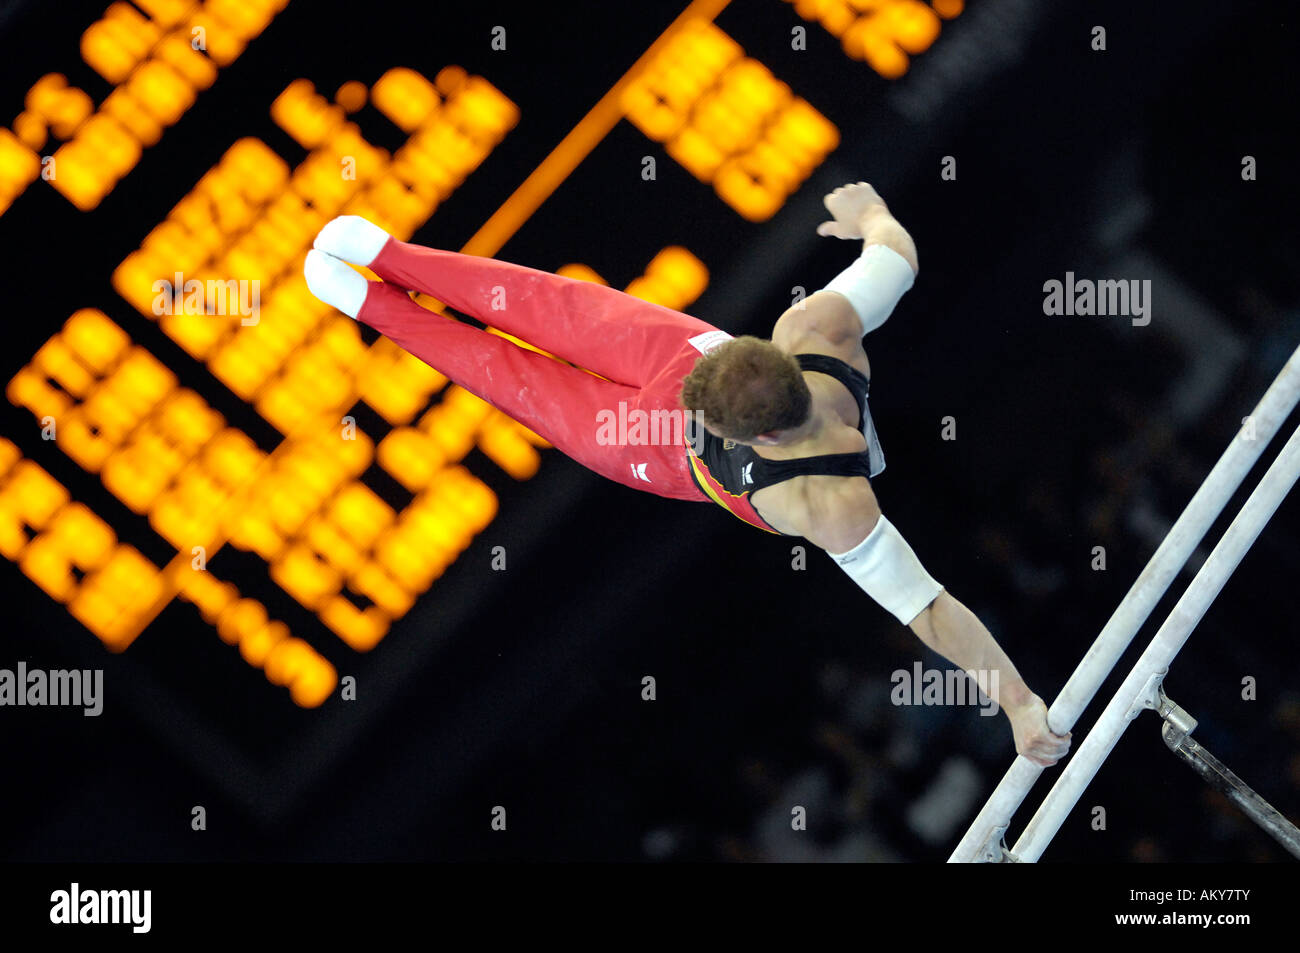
(748,390)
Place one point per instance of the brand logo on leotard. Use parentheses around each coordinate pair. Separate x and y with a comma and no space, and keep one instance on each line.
(744,473)
(638,471)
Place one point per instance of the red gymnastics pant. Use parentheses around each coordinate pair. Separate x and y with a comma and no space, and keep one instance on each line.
(643,349)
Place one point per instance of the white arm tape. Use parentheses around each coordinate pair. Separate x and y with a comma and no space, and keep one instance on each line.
(874,283)
(889,572)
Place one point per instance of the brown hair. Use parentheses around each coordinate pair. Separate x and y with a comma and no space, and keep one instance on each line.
(746,387)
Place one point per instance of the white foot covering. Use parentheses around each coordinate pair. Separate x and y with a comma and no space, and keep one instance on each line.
(335,283)
(351,238)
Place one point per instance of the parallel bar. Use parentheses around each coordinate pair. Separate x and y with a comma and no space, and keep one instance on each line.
(982,841)
(1216,774)
(1137,688)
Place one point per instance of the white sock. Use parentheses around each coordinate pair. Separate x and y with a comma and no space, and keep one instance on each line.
(351,238)
(334,282)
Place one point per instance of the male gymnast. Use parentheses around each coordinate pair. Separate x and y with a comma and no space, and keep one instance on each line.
(778,431)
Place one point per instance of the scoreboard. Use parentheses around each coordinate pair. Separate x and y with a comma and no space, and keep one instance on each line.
(197,448)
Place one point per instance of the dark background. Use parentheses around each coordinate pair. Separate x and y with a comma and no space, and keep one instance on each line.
(523,688)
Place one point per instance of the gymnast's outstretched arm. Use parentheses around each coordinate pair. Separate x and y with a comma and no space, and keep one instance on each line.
(885,567)
(957,634)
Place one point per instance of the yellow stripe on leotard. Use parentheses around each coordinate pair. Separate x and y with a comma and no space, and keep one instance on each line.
(707,483)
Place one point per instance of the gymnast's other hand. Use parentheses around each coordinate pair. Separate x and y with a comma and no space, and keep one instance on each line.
(852,207)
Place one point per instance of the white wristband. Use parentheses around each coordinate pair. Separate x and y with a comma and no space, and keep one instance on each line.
(874,283)
(887,570)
